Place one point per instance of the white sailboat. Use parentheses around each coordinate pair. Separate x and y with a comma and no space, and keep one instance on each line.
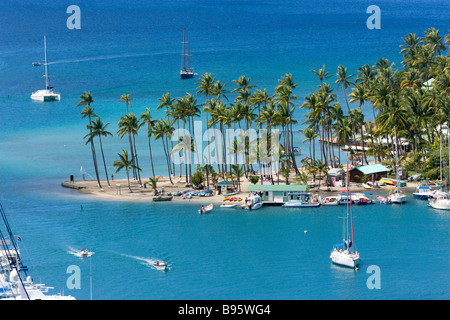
(186,72)
(46,94)
(344,253)
(396,195)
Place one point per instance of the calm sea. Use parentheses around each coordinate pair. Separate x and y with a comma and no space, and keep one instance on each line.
(134,47)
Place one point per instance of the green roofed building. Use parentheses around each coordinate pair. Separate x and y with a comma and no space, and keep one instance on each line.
(276,193)
(375,171)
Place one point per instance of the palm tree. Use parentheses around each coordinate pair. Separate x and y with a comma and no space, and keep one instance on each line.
(238,172)
(88,112)
(321,74)
(160,131)
(433,40)
(147,119)
(126,163)
(99,129)
(130,124)
(126,98)
(360,94)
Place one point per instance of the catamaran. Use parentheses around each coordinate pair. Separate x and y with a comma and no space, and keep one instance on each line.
(186,72)
(344,253)
(47,94)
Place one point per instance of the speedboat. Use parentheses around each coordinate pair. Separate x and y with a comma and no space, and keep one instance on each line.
(206,209)
(331,201)
(232,205)
(397,196)
(423,192)
(160,265)
(84,252)
(252,202)
(301,200)
(440,201)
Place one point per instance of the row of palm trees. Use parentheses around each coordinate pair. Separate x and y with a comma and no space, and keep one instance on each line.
(402,108)
(404,104)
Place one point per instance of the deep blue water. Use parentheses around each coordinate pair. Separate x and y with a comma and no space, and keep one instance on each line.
(134,47)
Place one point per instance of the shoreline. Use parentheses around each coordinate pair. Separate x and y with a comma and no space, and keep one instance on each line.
(145,194)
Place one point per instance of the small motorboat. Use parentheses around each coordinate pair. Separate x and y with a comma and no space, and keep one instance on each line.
(160,265)
(231,205)
(252,202)
(366,186)
(162,198)
(423,192)
(364,200)
(383,200)
(206,209)
(440,201)
(331,201)
(301,200)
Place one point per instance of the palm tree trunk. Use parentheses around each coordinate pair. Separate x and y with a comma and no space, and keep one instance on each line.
(151,158)
(103,156)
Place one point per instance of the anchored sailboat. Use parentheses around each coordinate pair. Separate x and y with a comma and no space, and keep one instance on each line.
(344,253)
(186,72)
(47,94)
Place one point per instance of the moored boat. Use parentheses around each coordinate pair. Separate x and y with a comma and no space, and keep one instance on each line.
(206,209)
(301,200)
(331,200)
(423,192)
(162,198)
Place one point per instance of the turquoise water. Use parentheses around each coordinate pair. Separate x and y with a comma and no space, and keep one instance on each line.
(134,47)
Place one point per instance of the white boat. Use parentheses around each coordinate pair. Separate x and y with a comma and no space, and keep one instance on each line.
(366,186)
(344,253)
(397,196)
(301,200)
(442,204)
(232,205)
(423,192)
(383,200)
(160,266)
(252,202)
(186,72)
(46,94)
(331,200)
(440,201)
(206,209)
(15,282)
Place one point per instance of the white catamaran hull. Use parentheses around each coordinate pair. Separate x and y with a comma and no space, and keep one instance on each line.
(45,95)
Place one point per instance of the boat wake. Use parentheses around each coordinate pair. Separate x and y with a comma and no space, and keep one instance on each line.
(110,57)
(79,254)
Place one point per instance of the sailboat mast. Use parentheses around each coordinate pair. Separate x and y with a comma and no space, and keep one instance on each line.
(396,158)
(45,64)
(184,48)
